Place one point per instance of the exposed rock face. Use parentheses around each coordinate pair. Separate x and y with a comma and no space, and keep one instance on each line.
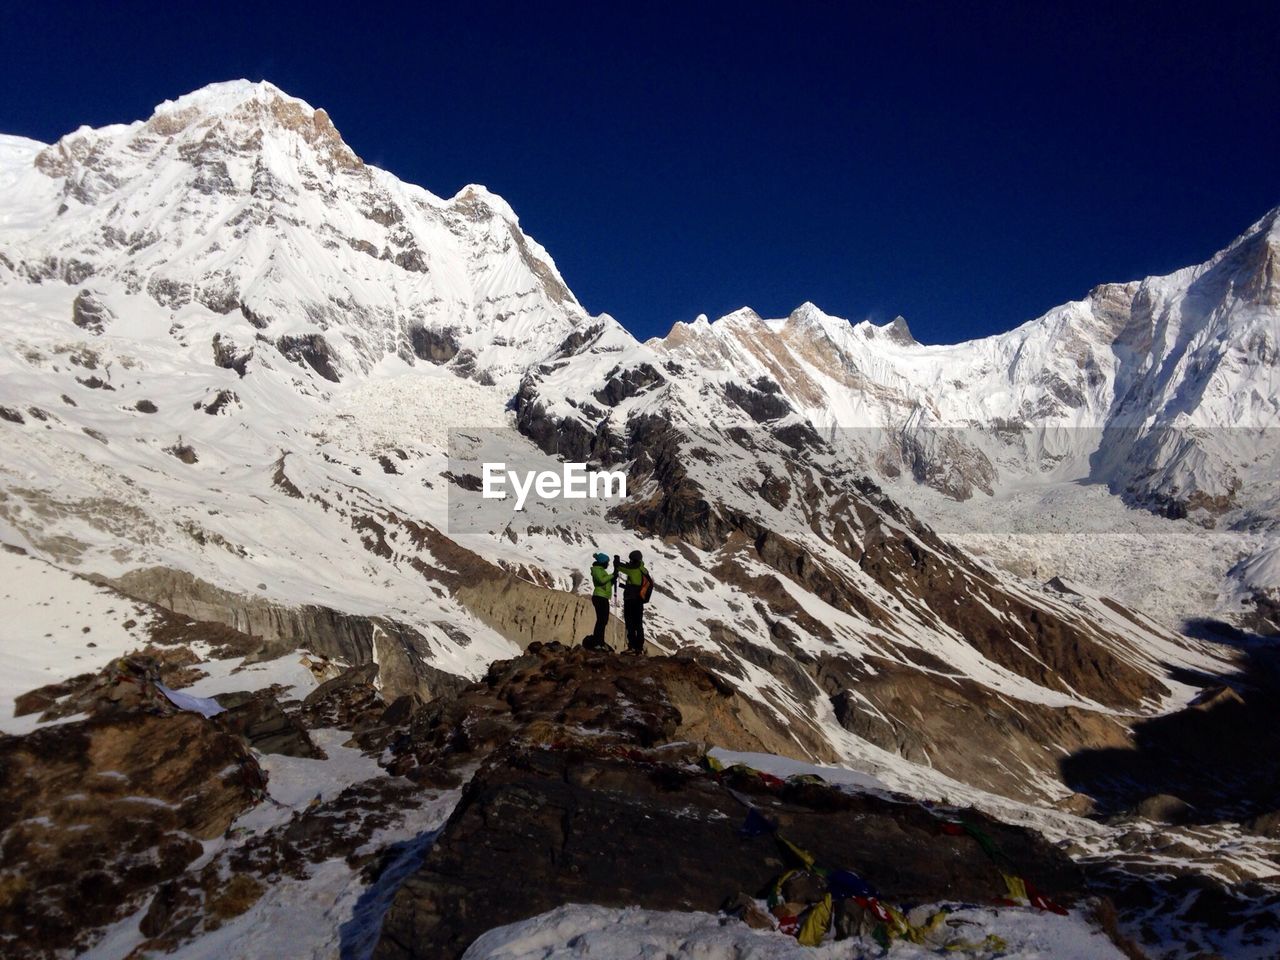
(330,633)
(184,452)
(436,346)
(1265,618)
(943,460)
(230,355)
(762,405)
(90,313)
(94,814)
(313,350)
(898,331)
(539,828)
(619,385)
(127,684)
(44,698)
(569,438)
(524,613)
(346,700)
(222,401)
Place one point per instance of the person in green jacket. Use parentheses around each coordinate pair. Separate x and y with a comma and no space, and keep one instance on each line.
(632,573)
(601,593)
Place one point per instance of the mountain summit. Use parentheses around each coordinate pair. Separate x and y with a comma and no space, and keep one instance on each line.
(246,202)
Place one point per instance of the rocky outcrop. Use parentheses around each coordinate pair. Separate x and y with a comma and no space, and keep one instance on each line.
(222,401)
(435,346)
(944,460)
(1264,618)
(90,313)
(620,384)
(762,403)
(94,814)
(555,694)
(230,355)
(184,452)
(898,332)
(593,790)
(312,350)
(344,700)
(538,828)
(567,437)
(258,717)
(126,684)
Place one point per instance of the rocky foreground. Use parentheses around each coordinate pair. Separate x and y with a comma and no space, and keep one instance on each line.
(538,828)
(585,779)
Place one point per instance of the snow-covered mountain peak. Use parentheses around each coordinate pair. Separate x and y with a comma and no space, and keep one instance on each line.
(898,331)
(228,96)
(743,317)
(1254,261)
(1265,229)
(241,106)
(241,211)
(1165,388)
(681,331)
(236,228)
(807,311)
(479,201)
(809,321)
(236,116)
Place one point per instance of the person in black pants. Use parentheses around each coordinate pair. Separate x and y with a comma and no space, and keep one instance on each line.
(633,573)
(602,585)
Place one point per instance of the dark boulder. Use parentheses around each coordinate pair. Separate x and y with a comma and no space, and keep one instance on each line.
(258,717)
(538,828)
(349,700)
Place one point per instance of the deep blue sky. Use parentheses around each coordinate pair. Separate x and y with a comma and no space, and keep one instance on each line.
(967,165)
